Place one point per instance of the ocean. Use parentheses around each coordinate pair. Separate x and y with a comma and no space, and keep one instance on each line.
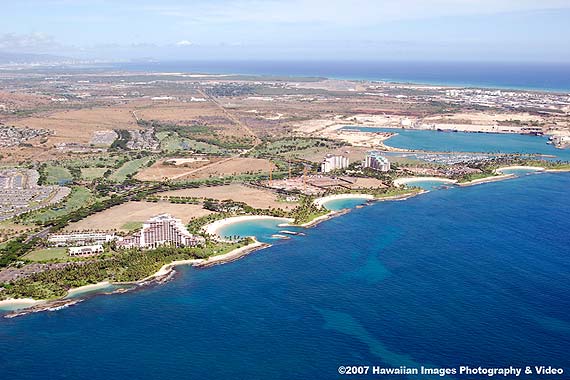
(523,76)
(476,276)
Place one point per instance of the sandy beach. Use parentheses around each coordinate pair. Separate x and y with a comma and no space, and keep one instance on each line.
(401,197)
(321,201)
(487,180)
(87,288)
(530,168)
(557,170)
(233,255)
(22,303)
(405,181)
(214,227)
(320,219)
(165,270)
(18,303)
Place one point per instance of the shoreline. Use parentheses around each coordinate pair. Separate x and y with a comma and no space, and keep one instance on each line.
(321,201)
(486,180)
(401,197)
(407,180)
(557,170)
(214,227)
(319,219)
(31,305)
(233,255)
(28,302)
(86,288)
(520,167)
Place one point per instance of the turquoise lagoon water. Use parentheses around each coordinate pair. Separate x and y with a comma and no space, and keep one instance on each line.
(520,171)
(430,184)
(341,204)
(262,229)
(469,142)
(477,276)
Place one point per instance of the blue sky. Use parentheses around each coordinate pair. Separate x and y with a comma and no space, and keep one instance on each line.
(471,30)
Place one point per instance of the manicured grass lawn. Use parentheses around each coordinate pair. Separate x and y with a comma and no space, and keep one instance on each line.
(92,173)
(476,176)
(47,254)
(171,142)
(202,147)
(79,197)
(57,174)
(131,226)
(130,167)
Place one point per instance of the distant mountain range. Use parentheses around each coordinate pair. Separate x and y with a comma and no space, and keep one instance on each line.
(6,57)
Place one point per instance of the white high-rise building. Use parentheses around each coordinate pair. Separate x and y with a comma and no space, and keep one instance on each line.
(332,162)
(162,230)
(375,160)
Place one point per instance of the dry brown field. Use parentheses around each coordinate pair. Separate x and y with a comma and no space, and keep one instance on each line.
(354,153)
(257,198)
(206,113)
(116,218)
(8,229)
(215,168)
(78,125)
(367,183)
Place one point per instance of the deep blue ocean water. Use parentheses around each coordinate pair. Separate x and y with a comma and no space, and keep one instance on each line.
(469,142)
(467,276)
(513,75)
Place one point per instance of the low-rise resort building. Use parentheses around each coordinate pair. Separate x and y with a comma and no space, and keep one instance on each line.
(80,239)
(87,250)
(332,162)
(375,160)
(161,230)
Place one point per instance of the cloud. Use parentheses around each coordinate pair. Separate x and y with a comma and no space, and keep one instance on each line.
(34,42)
(184,43)
(342,12)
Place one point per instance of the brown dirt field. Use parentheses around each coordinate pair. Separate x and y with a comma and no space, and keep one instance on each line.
(178,112)
(217,168)
(159,171)
(8,229)
(354,153)
(368,182)
(79,125)
(189,113)
(116,217)
(254,197)
(22,101)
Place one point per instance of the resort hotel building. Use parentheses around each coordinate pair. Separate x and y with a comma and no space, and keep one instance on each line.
(332,162)
(80,239)
(161,230)
(87,250)
(374,160)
